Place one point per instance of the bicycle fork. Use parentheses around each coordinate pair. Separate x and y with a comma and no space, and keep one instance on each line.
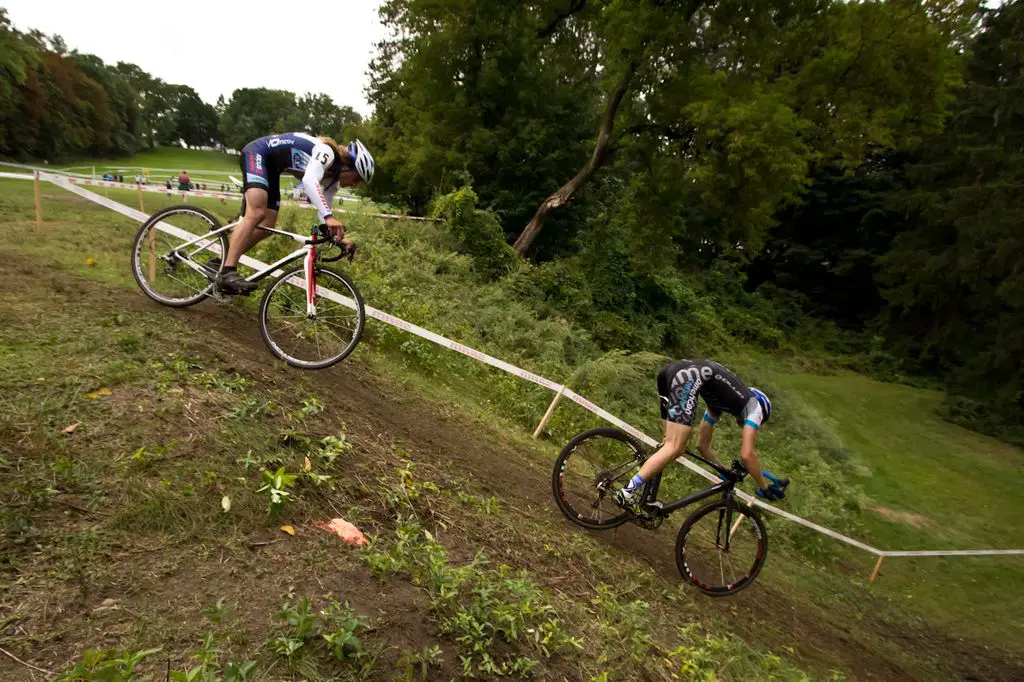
(726,523)
(310,282)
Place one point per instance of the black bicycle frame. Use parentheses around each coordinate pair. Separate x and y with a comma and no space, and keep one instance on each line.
(731,478)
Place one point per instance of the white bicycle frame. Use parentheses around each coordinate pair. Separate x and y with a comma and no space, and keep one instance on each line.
(307,250)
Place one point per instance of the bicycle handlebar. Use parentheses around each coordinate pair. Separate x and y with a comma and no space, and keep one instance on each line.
(328,238)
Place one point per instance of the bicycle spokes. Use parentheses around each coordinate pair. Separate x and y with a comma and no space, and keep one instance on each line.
(588,474)
(314,323)
(173,261)
(721,547)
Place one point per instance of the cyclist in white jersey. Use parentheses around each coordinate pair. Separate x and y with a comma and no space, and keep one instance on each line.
(323,166)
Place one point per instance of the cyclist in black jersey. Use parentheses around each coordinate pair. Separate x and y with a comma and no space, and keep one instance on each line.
(679,385)
(321,163)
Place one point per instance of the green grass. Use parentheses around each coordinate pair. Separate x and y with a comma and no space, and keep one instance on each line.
(931,485)
(173,160)
(831,432)
(130,507)
(210,167)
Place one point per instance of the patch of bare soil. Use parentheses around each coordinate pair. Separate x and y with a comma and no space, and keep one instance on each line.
(911,519)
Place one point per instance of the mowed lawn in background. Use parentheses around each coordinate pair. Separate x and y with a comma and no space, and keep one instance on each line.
(932,485)
(169,160)
(975,598)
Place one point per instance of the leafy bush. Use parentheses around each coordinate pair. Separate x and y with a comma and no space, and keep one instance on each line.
(477,233)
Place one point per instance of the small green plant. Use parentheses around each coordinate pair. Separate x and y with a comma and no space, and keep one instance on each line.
(109,665)
(251,460)
(329,630)
(400,496)
(144,458)
(486,505)
(218,613)
(83,549)
(275,484)
(250,408)
(331,447)
(417,664)
(341,623)
(480,606)
(208,667)
(310,406)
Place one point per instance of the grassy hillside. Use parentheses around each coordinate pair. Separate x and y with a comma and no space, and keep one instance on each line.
(197,409)
(168,159)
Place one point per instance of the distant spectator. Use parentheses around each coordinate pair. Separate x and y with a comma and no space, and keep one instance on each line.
(169,186)
(184,181)
(138,179)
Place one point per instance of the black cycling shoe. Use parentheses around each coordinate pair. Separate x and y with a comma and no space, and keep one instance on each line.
(233,283)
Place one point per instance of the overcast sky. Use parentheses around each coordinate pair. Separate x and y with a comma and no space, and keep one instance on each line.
(216,46)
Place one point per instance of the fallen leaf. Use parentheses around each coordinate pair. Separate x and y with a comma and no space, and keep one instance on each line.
(307,465)
(348,533)
(288,529)
(90,261)
(225,503)
(71,428)
(99,393)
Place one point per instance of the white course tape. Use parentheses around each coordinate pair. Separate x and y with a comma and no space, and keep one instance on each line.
(159,189)
(17,176)
(955,552)
(70,185)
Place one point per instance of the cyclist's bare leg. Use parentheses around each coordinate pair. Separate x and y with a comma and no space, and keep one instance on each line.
(256,236)
(245,235)
(704,434)
(676,436)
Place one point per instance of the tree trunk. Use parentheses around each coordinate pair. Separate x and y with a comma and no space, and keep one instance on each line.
(561,197)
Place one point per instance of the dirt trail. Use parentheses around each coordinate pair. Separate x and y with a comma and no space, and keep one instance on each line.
(813,634)
(818,636)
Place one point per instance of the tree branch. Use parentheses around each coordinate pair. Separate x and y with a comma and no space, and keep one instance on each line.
(574,7)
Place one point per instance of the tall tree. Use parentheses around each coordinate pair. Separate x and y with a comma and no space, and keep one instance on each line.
(955,282)
(195,121)
(741,98)
(255,112)
(477,90)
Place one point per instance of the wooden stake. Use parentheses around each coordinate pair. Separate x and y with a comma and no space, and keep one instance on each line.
(878,567)
(39,205)
(547,415)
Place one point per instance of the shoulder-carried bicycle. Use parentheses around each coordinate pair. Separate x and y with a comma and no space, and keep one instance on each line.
(720,547)
(311,316)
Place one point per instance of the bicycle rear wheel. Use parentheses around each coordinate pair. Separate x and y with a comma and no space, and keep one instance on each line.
(700,548)
(168,268)
(312,341)
(591,467)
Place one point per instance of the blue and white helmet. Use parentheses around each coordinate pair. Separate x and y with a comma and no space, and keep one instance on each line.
(766,405)
(363,160)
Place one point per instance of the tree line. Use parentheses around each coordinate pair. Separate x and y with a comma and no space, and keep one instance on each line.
(57,103)
(833,174)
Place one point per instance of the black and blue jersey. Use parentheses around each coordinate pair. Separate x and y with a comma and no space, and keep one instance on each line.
(682,382)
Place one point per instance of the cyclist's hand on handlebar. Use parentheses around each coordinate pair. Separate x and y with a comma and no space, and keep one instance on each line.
(772,492)
(335,227)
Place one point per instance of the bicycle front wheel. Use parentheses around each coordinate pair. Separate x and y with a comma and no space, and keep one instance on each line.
(720,551)
(317,338)
(170,262)
(591,467)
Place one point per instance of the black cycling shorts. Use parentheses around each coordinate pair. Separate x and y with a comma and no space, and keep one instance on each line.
(678,388)
(260,171)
